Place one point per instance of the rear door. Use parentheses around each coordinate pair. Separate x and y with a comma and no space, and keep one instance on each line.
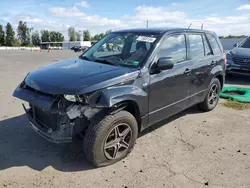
(168,89)
(201,56)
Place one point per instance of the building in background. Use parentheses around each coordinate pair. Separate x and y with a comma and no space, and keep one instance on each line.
(66,45)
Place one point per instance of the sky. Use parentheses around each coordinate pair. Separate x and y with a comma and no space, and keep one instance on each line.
(222,16)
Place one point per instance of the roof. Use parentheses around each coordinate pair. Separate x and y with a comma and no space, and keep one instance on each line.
(159,30)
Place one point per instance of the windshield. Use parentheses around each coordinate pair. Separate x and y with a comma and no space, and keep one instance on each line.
(246,43)
(122,49)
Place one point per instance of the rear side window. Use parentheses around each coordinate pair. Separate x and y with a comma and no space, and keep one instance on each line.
(174,46)
(214,44)
(196,46)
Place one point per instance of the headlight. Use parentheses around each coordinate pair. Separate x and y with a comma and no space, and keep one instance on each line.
(74,98)
(71,98)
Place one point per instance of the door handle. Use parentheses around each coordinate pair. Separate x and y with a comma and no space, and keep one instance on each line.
(213,63)
(187,71)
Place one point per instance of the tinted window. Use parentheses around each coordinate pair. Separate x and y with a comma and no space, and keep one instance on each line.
(214,44)
(174,46)
(196,46)
(206,46)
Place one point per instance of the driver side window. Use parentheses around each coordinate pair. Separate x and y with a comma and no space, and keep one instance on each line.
(112,47)
(174,46)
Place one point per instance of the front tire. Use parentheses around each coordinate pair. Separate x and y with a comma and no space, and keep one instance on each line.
(110,139)
(212,97)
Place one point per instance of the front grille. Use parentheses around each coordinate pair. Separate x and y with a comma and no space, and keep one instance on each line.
(242,61)
(45,118)
(241,71)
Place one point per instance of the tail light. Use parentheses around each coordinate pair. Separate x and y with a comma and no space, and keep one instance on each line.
(225,59)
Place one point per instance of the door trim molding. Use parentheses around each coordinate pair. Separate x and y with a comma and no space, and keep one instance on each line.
(176,102)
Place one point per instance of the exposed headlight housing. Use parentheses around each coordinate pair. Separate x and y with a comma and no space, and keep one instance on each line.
(75,98)
(71,98)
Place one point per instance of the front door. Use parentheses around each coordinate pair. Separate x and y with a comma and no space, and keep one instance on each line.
(169,89)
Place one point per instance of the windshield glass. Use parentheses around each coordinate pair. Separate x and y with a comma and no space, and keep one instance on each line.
(122,49)
(246,43)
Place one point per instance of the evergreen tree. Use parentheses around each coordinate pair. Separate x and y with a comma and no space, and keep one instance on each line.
(35,38)
(10,35)
(72,34)
(2,36)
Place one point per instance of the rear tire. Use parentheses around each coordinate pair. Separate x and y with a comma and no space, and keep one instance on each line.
(104,142)
(212,98)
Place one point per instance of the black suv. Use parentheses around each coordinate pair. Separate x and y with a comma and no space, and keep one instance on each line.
(238,59)
(104,98)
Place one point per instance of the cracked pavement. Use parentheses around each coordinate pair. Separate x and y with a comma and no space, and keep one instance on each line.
(190,150)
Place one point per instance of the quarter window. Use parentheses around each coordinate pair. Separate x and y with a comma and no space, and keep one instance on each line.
(174,46)
(196,46)
(214,44)
(206,46)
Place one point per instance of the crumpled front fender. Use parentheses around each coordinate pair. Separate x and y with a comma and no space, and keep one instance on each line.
(111,96)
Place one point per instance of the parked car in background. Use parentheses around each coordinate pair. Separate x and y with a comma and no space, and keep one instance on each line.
(104,98)
(238,59)
(79,48)
(73,47)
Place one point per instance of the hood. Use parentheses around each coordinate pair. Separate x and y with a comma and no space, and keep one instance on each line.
(77,76)
(242,52)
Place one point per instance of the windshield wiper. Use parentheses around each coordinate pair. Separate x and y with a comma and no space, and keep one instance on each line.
(86,58)
(105,61)
(98,60)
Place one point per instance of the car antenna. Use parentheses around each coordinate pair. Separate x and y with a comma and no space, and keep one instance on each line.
(202,26)
(189,25)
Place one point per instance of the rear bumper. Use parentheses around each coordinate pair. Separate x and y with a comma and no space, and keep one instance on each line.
(63,135)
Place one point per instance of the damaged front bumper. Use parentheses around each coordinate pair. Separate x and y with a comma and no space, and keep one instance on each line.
(63,135)
(53,117)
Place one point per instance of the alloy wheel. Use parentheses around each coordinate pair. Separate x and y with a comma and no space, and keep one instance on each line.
(213,95)
(117,141)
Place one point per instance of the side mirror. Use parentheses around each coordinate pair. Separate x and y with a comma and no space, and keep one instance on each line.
(165,63)
(236,45)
